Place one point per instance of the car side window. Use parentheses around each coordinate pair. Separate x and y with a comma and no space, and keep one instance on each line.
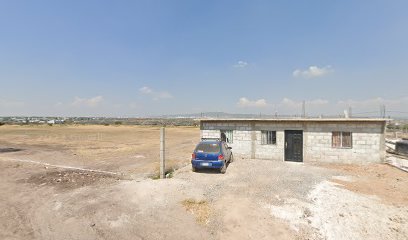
(224,148)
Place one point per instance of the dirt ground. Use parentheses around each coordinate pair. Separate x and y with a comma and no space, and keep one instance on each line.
(76,185)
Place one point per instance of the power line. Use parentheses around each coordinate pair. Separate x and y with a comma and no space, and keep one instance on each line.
(397,111)
(366,112)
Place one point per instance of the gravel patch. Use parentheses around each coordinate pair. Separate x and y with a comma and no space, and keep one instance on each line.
(253,185)
(331,212)
(301,195)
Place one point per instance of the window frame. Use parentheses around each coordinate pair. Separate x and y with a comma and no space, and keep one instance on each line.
(228,140)
(273,137)
(206,149)
(341,133)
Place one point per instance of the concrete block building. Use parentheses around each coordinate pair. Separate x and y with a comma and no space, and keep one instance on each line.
(343,140)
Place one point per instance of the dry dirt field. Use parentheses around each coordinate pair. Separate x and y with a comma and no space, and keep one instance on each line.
(131,150)
(48,192)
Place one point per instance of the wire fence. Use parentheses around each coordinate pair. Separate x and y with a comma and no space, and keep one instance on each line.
(382,113)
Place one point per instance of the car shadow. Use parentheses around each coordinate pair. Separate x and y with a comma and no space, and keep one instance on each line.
(210,170)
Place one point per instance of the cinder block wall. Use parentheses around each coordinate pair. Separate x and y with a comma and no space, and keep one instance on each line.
(367,143)
(367,139)
(274,152)
(241,146)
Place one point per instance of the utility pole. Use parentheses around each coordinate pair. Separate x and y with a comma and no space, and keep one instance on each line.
(162,153)
(303,109)
(382,111)
(349,111)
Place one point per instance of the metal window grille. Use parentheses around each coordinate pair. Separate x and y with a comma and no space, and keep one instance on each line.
(342,140)
(268,137)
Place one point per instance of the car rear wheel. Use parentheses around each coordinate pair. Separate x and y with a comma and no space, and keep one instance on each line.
(224,168)
(194,169)
(231,158)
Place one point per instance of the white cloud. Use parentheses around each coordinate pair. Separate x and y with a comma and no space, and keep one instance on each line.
(58,104)
(375,103)
(156,95)
(245,102)
(285,103)
(241,64)
(10,104)
(289,103)
(360,108)
(145,90)
(313,72)
(88,102)
(318,102)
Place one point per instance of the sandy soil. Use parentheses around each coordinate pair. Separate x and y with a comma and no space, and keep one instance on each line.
(255,199)
(380,180)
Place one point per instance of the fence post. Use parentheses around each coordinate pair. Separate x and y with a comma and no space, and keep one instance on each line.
(162,153)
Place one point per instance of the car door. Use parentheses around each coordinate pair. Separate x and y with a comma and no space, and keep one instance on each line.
(227,151)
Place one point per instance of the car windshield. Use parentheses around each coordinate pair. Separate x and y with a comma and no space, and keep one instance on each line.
(208,147)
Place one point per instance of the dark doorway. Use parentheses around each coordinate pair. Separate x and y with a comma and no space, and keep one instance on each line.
(294,145)
(223,136)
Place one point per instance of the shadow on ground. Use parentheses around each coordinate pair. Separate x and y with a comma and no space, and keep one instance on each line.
(210,170)
(6,150)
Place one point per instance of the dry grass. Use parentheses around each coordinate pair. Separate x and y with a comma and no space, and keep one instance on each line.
(133,149)
(200,209)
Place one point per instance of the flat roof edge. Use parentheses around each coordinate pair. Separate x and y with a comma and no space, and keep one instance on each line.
(296,120)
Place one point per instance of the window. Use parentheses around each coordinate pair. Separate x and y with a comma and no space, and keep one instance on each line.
(227,136)
(268,137)
(341,140)
(208,147)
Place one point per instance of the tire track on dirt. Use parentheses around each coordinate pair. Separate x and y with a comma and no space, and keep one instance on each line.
(59,166)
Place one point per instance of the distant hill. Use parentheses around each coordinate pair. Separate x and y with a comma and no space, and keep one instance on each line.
(248,115)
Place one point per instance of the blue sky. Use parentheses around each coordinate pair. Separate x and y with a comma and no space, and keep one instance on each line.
(138,58)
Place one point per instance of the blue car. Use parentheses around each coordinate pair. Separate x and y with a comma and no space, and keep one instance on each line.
(211,154)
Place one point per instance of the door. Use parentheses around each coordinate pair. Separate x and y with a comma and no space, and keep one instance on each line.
(294,145)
